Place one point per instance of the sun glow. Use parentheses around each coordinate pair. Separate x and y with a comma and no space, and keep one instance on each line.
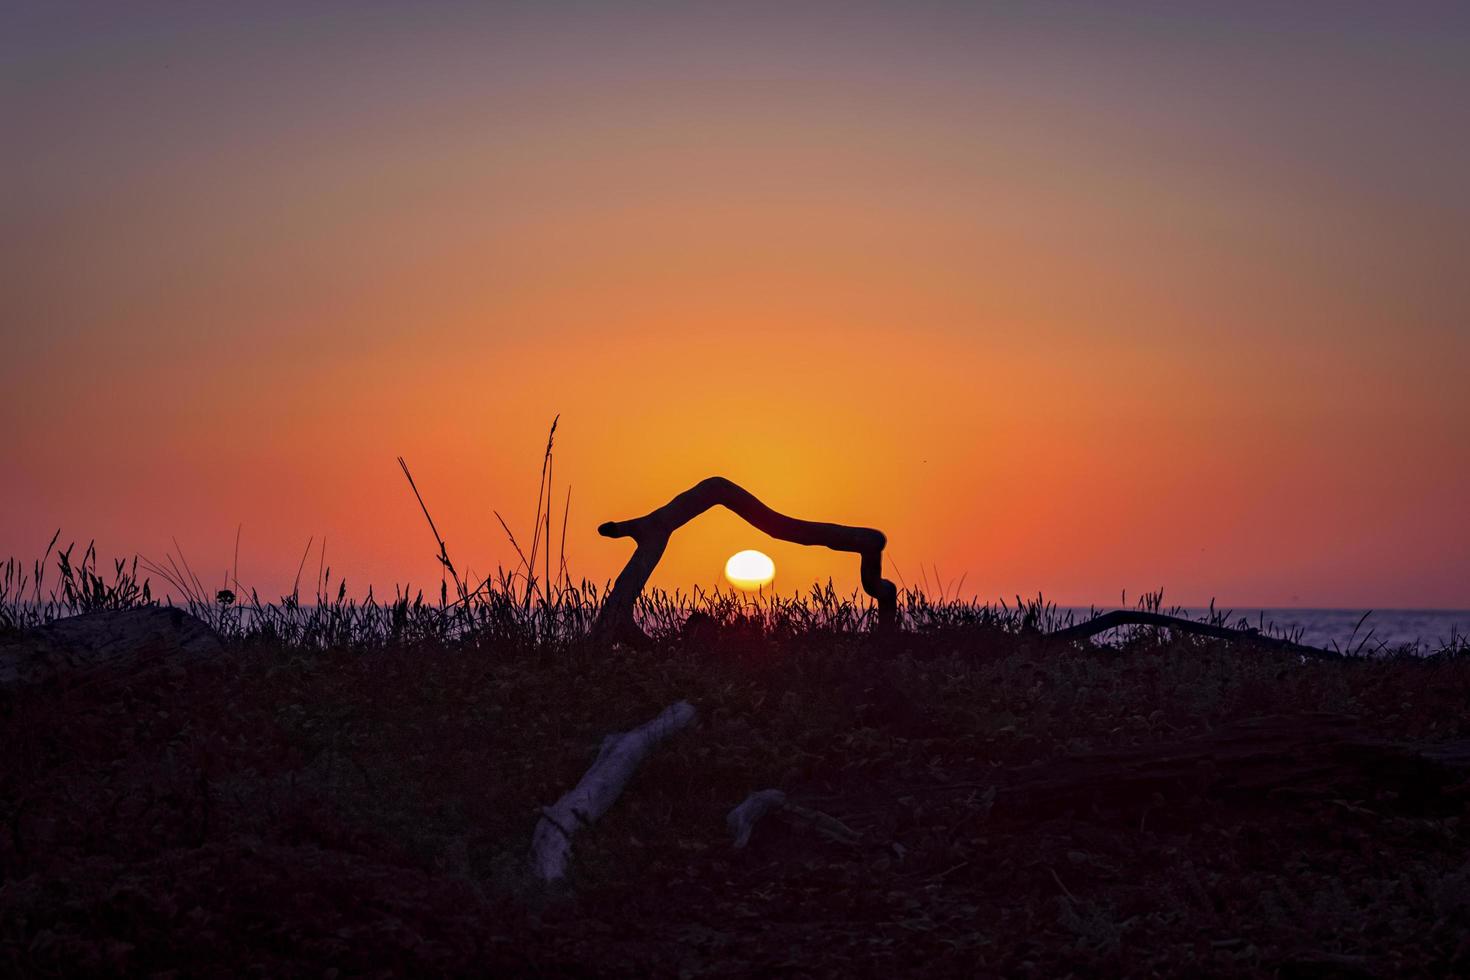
(749,570)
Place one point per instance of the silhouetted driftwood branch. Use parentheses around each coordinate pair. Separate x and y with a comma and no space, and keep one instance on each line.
(1125,617)
(651,533)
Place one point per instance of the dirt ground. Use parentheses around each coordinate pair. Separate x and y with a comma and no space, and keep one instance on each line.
(1175,808)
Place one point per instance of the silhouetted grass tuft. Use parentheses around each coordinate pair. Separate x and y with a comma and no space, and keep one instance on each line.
(514,609)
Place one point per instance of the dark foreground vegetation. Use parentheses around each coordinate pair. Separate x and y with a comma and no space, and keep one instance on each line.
(342,792)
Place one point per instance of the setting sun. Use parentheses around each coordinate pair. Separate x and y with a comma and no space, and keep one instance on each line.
(749,570)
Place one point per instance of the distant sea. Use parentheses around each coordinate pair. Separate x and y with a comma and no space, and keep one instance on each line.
(1429,630)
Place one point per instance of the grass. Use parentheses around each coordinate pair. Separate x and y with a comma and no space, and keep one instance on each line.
(292,808)
(352,787)
(514,610)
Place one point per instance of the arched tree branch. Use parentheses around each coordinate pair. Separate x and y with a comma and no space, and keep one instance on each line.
(651,534)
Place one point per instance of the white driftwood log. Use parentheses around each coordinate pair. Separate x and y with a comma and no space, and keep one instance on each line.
(743,818)
(619,757)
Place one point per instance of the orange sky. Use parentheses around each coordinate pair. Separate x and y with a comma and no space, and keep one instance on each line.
(1061,300)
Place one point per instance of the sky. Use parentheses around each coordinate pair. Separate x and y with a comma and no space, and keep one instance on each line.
(1071,298)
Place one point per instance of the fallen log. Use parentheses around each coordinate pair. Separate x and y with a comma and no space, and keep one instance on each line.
(743,818)
(747,814)
(651,535)
(1127,617)
(617,759)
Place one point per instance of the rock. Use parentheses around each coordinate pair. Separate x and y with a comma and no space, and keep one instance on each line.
(123,638)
